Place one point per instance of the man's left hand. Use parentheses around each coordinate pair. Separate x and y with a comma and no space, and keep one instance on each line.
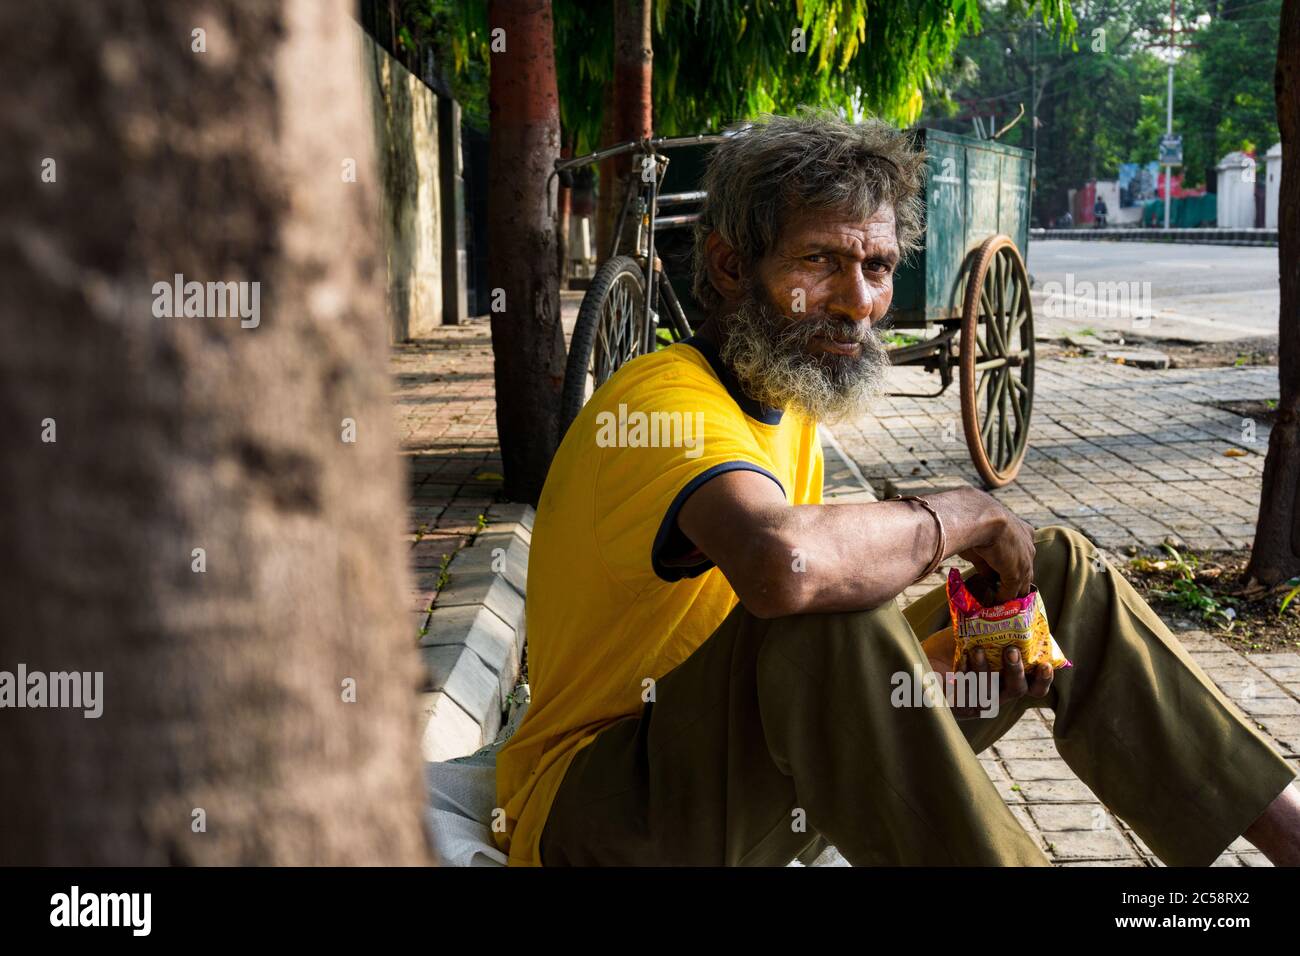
(1013,682)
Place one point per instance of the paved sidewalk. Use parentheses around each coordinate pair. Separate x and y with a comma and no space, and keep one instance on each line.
(1113,450)
(1126,456)
(446,421)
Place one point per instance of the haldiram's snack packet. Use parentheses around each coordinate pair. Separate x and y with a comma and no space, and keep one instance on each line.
(1020,623)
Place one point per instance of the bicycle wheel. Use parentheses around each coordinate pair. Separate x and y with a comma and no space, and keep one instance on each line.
(608,332)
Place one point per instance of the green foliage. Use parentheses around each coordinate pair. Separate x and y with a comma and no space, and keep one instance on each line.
(895,340)
(1290,596)
(719,61)
(1223,93)
(1101,94)
(457,31)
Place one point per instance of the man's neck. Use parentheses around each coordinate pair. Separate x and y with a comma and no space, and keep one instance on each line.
(713,332)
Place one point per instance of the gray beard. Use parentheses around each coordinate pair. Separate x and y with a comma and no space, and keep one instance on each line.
(769,353)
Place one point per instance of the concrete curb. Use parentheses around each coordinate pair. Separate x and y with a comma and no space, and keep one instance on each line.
(842,480)
(1206,236)
(473,643)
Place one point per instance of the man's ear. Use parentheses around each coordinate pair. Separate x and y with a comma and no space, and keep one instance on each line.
(724,268)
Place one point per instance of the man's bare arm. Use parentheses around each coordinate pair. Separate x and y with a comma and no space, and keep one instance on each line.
(784,560)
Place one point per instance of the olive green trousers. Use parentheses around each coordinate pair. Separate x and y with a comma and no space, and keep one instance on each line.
(778,735)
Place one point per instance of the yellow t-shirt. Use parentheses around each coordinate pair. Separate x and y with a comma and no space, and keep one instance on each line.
(616,593)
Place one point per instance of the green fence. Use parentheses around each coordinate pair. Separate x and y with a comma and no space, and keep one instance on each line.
(1187,212)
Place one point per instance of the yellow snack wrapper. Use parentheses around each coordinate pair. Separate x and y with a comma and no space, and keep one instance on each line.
(1020,623)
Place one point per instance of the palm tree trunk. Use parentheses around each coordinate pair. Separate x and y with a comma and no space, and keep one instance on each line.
(179,510)
(629,108)
(527,338)
(1276,554)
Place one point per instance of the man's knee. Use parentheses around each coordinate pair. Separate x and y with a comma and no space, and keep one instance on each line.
(1057,545)
(854,640)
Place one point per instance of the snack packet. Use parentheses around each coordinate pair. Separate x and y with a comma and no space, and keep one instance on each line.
(1020,623)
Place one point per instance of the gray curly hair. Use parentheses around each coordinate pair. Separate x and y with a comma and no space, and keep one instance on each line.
(812,160)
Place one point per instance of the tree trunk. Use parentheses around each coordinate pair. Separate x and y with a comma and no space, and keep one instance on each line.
(1276,554)
(130,440)
(527,337)
(562,226)
(629,113)
(610,172)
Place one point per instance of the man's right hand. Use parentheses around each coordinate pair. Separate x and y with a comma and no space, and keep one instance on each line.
(1002,545)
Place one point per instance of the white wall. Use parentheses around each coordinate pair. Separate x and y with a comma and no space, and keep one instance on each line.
(1272,185)
(1236,192)
(406,143)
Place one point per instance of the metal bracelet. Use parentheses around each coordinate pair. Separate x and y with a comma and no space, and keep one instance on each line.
(941,549)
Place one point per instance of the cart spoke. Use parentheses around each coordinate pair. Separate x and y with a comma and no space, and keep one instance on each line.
(1005,281)
(1013,310)
(1004,430)
(998,377)
(1018,407)
(990,322)
(999,292)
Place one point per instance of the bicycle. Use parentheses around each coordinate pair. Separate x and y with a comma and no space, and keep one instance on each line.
(619,317)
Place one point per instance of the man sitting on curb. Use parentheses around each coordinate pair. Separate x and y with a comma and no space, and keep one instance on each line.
(713,653)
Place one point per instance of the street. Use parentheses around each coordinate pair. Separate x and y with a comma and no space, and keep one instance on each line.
(1198,293)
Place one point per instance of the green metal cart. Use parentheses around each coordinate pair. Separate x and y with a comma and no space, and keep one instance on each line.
(965,294)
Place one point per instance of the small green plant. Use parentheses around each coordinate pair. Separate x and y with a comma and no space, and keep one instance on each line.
(1188,593)
(482,522)
(1290,595)
(896,340)
(443,576)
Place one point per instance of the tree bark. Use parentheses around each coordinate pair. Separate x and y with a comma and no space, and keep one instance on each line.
(1276,554)
(527,337)
(224,737)
(630,105)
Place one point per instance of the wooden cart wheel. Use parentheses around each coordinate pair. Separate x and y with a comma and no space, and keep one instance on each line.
(997,361)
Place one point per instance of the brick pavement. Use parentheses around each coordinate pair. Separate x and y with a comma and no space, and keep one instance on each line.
(446,423)
(1125,456)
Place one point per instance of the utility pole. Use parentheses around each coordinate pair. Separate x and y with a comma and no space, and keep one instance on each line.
(1033,113)
(1173,149)
(1169,111)
(1033,86)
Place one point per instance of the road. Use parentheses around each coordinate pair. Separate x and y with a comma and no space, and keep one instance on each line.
(1199,293)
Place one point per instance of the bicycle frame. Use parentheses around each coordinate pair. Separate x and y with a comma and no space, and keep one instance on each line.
(644,192)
